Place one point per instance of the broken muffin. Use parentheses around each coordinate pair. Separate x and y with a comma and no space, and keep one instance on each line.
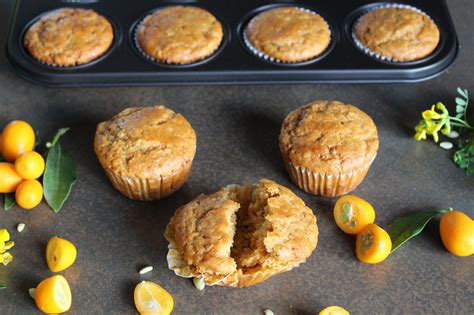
(241,235)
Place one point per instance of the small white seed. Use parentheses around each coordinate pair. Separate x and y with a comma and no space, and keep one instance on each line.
(446,145)
(146,269)
(268,312)
(199,283)
(453,134)
(31,292)
(20,227)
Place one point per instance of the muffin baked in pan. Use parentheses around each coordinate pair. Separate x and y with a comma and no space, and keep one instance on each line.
(287,34)
(237,42)
(69,37)
(398,33)
(178,35)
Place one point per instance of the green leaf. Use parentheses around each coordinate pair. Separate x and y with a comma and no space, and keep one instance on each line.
(463,92)
(37,139)
(56,137)
(407,227)
(3,286)
(8,201)
(59,176)
(460,101)
(459,109)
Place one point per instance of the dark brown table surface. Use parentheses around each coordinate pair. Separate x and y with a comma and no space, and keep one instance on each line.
(237,128)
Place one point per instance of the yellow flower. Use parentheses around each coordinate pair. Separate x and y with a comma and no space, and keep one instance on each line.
(5,244)
(420,131)
(6,258)
(4,235)
(431,114)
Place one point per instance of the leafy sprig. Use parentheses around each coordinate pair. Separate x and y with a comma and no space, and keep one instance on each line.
(464,156)
(438,119)
(462,101)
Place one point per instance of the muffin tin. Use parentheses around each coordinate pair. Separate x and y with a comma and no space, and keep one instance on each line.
(233,62)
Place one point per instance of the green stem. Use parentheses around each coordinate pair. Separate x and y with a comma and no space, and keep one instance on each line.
(461,123)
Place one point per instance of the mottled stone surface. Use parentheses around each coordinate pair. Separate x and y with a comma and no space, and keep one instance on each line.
(237,129)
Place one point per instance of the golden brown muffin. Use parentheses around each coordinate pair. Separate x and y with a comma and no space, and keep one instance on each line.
(179,34)
(241,235)
(146,152)
(328,147)
(69,37)
(288,34)
(397,34)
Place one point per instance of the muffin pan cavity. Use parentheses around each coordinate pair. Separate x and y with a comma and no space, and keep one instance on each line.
(138,50)
(358,14)
(117,37)
(234,61)
(246,43)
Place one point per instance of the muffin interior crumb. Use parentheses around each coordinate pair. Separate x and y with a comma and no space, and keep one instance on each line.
(242,230)
(252,226)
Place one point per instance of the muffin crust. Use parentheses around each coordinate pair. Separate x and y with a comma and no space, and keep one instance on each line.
(69,37)
(241,235)
(179,34)
(147,152)
(289,34)
(329,137)
(398,34)
(145,141)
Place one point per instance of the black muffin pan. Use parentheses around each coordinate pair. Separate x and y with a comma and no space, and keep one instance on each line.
(233,62)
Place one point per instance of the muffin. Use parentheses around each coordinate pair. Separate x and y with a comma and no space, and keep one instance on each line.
(179,35)
(69,37)
(397,33)
(287,34)
(328,147)
(241,235)
(146,152)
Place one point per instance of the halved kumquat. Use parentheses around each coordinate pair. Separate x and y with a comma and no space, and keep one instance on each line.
(352,214)
(373,244)
(334,310)
(151,299)
(53,295)
(60,254)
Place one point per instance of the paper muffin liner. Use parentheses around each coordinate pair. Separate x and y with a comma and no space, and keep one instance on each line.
(178,265)
(267,57)
(150,188)
(366,50)
(153,59)
(61,66)
(236,279)
(324,184)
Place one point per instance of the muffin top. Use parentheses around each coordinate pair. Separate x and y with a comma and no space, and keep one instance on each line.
(69,37)
(179,34)
(398,34)
(145,142)
(242,230)
(329,137)
(289,34)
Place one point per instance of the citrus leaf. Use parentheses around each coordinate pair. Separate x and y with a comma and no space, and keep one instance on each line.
(3,286)
(37,139)
(8,201)
(56,137)
(407,227)
(59,176)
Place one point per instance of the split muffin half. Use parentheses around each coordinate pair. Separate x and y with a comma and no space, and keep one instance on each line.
(241,235)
